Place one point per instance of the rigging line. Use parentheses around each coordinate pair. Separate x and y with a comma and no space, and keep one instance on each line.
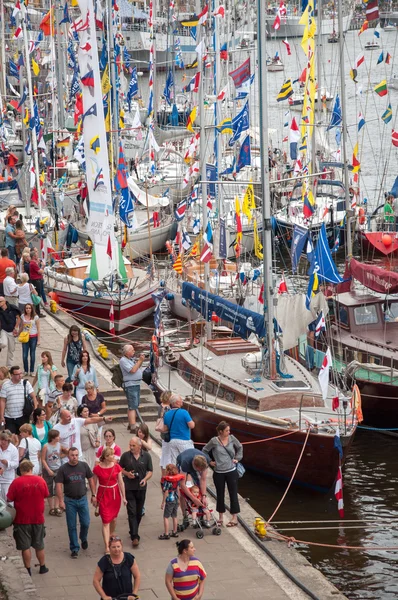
(292,540)
(345,527)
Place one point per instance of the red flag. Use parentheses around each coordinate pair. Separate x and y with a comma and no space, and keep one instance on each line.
(111,320)
(282,288)
(338,492)
(205,255)
(303,76)
(364,27)
(35,196)
(109,247)
(78,107)
(47,23)
(372,10)
(394,138)
(335,401)
(261,295)
(287,47)
(277,22)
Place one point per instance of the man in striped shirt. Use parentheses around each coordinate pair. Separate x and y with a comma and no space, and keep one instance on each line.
(12,400)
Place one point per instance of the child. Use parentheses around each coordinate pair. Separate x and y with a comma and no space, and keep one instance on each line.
(170,482)
(51,455)
(195,491)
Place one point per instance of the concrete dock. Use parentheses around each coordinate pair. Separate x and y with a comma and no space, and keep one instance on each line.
(237,569)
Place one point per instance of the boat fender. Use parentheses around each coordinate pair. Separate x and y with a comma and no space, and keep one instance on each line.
(361,216)
(7,515)
(169,296)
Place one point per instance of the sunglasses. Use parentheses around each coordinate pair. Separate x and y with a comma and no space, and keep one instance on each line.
(115,538)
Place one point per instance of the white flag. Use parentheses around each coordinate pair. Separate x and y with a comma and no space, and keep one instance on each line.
(323,376)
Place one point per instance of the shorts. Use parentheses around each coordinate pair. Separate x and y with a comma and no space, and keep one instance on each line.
(133,396)
(50,481)
(27,536)
(170,510)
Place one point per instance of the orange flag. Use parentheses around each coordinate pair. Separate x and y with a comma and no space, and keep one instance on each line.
(47,24)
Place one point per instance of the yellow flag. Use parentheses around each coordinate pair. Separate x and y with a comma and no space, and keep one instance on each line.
(191,119)
(74,3)
(258,247)
(105,83)
(35,67)
(26,117)
(121,119)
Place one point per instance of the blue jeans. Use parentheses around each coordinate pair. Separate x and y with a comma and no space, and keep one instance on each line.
(39,285)
(73,508)
(70,366)
(11,253)
(29,346)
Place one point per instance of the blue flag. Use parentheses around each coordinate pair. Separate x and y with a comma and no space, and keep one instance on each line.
(381,58)
(65,18)
(13,69)
(336,114)
(244,158)
(126,57)
(24,96)
(103,61)
(75,85)
(168,87)
(394,189)
(337,443)
(133,87)
(240,124)
(300,237)
(211,174)
(323,263)
(126,206)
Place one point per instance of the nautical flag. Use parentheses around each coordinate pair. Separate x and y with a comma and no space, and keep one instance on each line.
(282,287)
(387,114)
(261,295)
(88,79)
(191,119)
(206,254)
(356,165)
(353,75)
(224,52)
(18,33)
(126,206)
(241,74)
(219,12)
(323,376)
(185,240)
(359,60)
(109,247)
(309,204)
(193,85)
(240,123)
(388,58)
(103,61)
(211,175)
(244,158)
(75,85)
(222,93)
(65,18)
(361,121)
(133,87)
(364,27)
(47,23)
(23,97)
(376,34)
(196,226)
(208,234)
(91,111)
(338,492)
(180,210)
(14,71)
(17,9)
(336,245)
(312,290)
(336,114)
(80,25)
(111,320)
(168,87)
(95,144)
(177,265)
(197,20)
(35,67)
(300,237)
(372,10)
(381,58)
(381,88)
(286,91)
(121,173)
(121,119)
(225,126)
(319,325)
(105,82)
(394,138)
(294,138)
(287,47)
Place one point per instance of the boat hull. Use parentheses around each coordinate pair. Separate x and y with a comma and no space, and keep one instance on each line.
(292,28)
(95,311)
(379,404)
(278,457)
(372,243)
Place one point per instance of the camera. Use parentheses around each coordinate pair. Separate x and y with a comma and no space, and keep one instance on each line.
(135,473)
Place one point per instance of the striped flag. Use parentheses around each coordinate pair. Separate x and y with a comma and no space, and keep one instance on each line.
(177,265)
(323,376)
(111,320)
(241,74)
(338,492)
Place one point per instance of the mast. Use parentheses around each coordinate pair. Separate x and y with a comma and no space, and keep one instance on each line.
(3,89)
(61,80)
(266,206)
(32,108)
(318,110)
(217,107)
(112,66)
(344,131)
(25,167)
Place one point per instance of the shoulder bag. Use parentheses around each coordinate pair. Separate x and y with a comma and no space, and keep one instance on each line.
(26,456)
(166,435)
(28,405)
(240,469)
(24,335)
(35,298)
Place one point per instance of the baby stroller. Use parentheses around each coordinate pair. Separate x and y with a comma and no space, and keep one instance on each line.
(197,521)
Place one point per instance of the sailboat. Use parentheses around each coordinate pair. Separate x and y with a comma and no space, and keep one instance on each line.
(103,288)
(270,401)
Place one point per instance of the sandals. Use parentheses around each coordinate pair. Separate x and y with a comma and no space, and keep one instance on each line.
(174,534)
(52,512)
(220,523)
(58,512)
(232,524)
(164,536)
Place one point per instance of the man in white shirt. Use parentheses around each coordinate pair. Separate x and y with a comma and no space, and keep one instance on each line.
(9,461)
(69,430)
(12,400)
(10,287)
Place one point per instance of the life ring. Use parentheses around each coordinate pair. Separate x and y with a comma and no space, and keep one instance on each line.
(361,216)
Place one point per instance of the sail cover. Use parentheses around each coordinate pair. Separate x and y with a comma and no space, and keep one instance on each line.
(243,321)
(375,278)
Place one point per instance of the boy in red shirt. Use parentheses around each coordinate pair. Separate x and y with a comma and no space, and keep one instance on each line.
(28,493)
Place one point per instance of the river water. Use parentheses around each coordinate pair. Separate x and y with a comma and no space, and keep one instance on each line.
(371,470)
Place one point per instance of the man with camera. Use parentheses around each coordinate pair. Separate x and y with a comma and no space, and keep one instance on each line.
(137,470)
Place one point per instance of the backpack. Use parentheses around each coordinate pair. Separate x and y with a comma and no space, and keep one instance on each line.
(28,406)
(117,376)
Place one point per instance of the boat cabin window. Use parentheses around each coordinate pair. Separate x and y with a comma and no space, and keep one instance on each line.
(340,206)
(289,384)
(343,315)
(366,315)
(390,310)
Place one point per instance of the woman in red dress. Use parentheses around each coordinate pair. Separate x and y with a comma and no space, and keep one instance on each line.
(110,493)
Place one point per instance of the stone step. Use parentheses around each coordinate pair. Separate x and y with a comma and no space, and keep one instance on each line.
(122,399)
(144,392)
(122,408)
(121,417)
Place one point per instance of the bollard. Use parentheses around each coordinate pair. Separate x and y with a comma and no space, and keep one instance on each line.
(53,306)
(260,528)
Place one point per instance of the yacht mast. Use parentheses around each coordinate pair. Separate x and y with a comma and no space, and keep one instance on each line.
(344,132)
(266,205)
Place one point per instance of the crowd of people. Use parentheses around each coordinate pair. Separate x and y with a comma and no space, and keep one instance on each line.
(57,446)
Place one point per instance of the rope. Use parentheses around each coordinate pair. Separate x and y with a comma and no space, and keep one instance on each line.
(377,428)
(292,477)
(292,540)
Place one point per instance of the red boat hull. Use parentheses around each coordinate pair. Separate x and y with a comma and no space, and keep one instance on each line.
(277,458)
(373,242)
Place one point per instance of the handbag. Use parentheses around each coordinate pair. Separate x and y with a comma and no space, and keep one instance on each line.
(24,335)
(26,456)
(28,405)
(96,512)
(166,434)
(35,298)
(240,469)
(160,422)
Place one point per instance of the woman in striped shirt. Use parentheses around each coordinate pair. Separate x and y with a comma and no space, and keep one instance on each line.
(185,575)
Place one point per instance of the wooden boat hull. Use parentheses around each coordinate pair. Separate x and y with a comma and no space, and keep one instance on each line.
(277,458)
(95,311)
(379,404)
